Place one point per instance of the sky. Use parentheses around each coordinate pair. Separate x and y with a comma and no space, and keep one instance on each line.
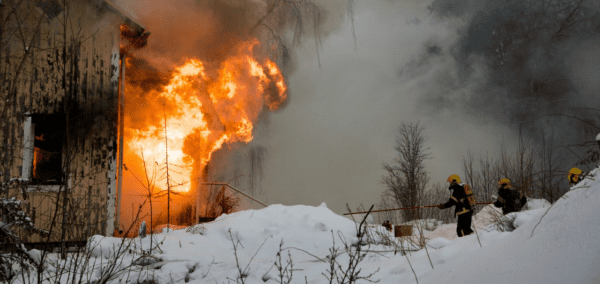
(340,125)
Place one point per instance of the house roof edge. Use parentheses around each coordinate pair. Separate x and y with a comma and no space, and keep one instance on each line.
(125,16)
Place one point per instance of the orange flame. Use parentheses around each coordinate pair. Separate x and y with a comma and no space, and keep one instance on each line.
(199,114)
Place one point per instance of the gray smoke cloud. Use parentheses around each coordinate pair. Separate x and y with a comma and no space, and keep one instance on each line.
(433,62)
(440,63)
(527,59)
(329,144)
(211,30)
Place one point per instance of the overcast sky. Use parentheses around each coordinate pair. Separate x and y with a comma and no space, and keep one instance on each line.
(329,143)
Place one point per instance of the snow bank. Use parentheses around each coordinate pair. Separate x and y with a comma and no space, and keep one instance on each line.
(306,231)
(557,244)
(551,244)
(105,247)
(537,203)
(482,219)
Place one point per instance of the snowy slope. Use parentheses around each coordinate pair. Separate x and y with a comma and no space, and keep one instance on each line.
(564,248)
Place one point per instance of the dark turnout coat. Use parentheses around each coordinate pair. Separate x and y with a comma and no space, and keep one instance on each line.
(510,199)
(458,199)
(462,209)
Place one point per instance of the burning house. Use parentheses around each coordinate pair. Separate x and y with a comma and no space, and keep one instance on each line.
(62,68)
(100,140)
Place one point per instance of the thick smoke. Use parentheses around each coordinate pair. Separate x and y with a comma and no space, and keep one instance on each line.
(460,67)
(523,62)
(436,65)
(213,31)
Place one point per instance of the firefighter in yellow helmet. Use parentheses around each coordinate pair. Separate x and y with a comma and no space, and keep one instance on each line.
(509,198)
(575,176)
(462,209)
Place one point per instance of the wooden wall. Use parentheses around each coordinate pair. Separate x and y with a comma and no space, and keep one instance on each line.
(73,69)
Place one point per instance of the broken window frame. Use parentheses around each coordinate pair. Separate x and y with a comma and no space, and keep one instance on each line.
(31,145)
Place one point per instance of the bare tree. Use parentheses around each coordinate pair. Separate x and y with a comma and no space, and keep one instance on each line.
(481,175)
(548,175)
(388,202)
(220,202)
(285,24)
(533,168)
(588,120)
(436,194)
(406,178)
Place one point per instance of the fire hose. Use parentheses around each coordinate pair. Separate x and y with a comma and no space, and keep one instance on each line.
(406,208)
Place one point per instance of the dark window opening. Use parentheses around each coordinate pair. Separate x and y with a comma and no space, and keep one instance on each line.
(48,148)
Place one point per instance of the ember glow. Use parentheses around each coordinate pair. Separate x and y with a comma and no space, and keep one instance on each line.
(196,113)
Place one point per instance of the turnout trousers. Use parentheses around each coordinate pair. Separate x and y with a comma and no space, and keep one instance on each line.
(463,226)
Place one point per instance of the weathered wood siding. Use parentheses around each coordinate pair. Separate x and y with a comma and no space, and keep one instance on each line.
(87,72)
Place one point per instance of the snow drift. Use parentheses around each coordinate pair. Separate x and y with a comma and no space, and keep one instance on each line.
(546,244)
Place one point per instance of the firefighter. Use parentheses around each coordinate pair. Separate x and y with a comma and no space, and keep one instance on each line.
(462,208)
(575,176)
(509,198)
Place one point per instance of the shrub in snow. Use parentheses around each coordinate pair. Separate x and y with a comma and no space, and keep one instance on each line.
(14,216)
(506,223)
(380,236)
(491,215)
(509,222)
(199,229)
(146,260)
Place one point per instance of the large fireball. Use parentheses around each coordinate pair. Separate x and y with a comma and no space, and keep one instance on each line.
(174,123)
(198,114)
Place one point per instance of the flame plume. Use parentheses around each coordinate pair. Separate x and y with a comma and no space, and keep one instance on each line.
(197,111)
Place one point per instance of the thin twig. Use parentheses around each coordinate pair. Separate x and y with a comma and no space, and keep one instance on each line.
(417,279)
(564,196)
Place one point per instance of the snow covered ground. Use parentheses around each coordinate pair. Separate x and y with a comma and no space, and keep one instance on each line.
(556,245)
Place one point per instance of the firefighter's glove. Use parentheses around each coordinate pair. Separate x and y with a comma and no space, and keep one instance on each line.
(441,206)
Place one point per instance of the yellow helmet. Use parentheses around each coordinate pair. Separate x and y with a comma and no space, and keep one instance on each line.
(575,171)
(574,175)
(503,181)
(454,177)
